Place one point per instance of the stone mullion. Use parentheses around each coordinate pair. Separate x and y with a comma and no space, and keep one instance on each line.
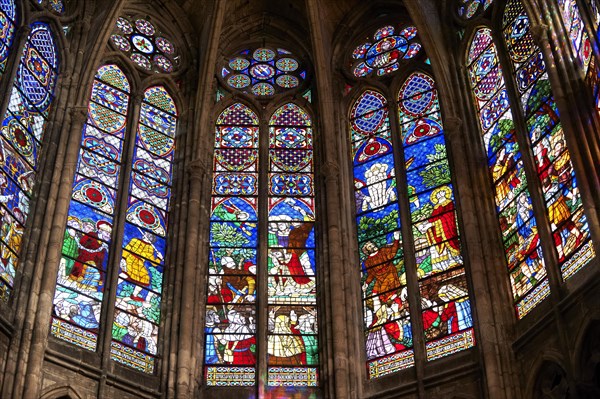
(533,181)
(12,64)
(116,243)
(262,271)
(485,317)
(342,386)
(408,245)
(171,306)
(189,327)
(586,171)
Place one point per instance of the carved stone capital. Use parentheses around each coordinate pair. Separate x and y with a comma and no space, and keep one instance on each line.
(330,170)
(539,32)
(452,126)
(78,115)
(198,168)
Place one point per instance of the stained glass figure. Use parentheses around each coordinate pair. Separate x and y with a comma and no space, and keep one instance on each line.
(447,320)
(292,341)
(149,48)
(230,324)
(468,9)
(21,135)
(263,72)
(522,246)
(384,51)
(87,239)
(581,43)
(8,15)
(139,289)
(553,164)
(387,323)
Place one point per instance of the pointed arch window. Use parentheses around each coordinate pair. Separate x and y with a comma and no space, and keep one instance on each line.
(108,242)
(8,17)
(408,236)
(278,268)
(22,133)
(525,146)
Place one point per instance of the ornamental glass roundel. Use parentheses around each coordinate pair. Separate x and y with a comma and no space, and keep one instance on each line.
(381,53)
(263,71)
(144,44)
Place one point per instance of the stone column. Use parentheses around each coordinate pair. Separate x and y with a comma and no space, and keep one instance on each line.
(39,324)
(197,172)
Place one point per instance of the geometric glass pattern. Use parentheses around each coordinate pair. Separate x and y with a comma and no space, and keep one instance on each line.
(8,15)
(139,287)
(442,284)
(230,325)
(568,223)
(88,246)
(384,51)
(145,45)
(292,341)
(522,246)
(387,322)
(87,239)
(263,72)
(21,135)
(445,304)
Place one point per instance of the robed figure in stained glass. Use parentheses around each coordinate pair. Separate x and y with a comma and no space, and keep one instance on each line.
(380,268)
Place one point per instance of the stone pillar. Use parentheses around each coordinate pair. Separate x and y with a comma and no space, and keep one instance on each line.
(38,325)
(197,172)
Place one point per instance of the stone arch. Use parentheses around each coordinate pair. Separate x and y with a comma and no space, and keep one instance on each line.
(60,392)
(550,382)
(588,363)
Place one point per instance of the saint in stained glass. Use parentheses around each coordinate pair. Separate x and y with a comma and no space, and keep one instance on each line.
(21,136)
(81,278)
(445,303)
(139,287)
(554,168)
(514,208)
(292,341)
(387,324)
(230,323)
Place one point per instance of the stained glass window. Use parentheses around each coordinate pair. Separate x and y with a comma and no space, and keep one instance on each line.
(230,325)
(8,15)
(148,47)
(581,43)
(467,9)
(553,164)
(139,287)
(22,133)
(292,347)
(263,72)
(445,303)
(383,52)
(81,277)
(89,239)
(387,322)
(432,225)
(289,245)
(507,160)
(514,207)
